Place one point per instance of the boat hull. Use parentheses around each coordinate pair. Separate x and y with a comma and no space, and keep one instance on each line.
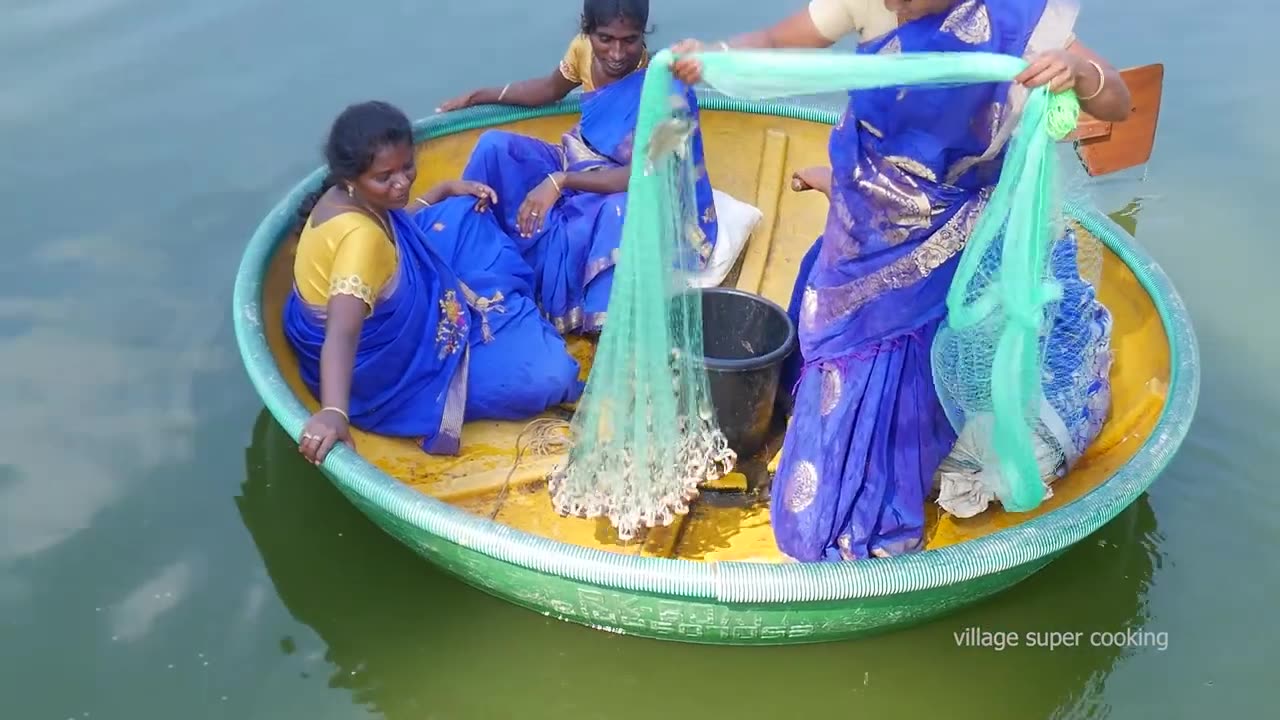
(689,619)
(728,602)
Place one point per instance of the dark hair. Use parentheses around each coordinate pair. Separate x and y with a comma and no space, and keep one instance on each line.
(357,134)
(602,12)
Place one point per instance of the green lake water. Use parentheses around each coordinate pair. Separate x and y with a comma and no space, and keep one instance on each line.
(164,553)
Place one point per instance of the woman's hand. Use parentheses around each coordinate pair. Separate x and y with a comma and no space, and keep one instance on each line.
(458,103)
(1059,69)
(487,196)
(458,188)
(532,216)
(1102,89)
(686,69)
(325,429)
(814,178)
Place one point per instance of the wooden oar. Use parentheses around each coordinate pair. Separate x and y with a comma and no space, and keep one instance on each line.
(1106,147)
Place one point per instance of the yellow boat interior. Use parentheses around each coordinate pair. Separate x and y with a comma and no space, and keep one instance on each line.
(750,157)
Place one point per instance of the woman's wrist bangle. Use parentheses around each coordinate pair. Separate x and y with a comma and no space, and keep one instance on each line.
(1102,81)
(552,178)
(338,410)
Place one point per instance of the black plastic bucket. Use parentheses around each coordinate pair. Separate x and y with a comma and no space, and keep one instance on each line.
(745,340)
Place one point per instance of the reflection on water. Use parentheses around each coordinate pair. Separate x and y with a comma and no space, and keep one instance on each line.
(401,638)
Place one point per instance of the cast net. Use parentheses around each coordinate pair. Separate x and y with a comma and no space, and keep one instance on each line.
(1023,357)
(645,435)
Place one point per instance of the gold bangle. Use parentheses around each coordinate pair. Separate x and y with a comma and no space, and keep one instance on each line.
(552,178)
(423,203)
(503,94)
(340,411)
(1102,81)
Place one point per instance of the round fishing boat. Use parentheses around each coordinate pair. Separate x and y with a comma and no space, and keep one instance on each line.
(715,575)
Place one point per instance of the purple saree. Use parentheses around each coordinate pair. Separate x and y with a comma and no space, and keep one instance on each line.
(912,170)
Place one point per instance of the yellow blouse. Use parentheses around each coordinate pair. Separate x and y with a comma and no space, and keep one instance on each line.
(348,254)
(576,65)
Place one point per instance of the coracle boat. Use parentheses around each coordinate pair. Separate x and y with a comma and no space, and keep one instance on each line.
(715,574)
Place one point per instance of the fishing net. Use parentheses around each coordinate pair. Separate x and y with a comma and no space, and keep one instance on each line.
(1072,362)
(1013,363)
(645,436)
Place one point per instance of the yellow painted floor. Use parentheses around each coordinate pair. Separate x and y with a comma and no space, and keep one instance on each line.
(750,157)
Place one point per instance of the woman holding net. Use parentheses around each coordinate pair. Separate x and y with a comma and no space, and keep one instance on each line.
(569,200)
(911,171)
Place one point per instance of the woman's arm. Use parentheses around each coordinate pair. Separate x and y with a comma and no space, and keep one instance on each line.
(457,188)
(527,93)
(338,354)
(532,214)
(796,31)
(1102,91)
(602,182)
(1114,103)
(330,425)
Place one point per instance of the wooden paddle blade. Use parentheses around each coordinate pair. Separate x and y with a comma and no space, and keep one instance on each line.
(1106,147)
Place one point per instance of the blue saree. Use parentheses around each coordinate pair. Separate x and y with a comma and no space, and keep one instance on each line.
(912,171)
(456,336)
(574,254)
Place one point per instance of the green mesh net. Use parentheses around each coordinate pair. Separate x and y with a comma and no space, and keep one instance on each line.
(989,356)
(644,435)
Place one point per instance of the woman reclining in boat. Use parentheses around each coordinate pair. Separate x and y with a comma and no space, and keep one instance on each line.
(407,324)
(910,173)
(569,225)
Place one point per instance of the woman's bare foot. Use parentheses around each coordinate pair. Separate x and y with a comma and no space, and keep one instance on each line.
(814,178)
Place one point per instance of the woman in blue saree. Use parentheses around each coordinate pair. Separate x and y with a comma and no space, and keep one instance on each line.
(569,225)
(911,171)
(410,324)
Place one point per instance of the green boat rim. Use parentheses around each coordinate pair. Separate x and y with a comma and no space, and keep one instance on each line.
(738,581)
